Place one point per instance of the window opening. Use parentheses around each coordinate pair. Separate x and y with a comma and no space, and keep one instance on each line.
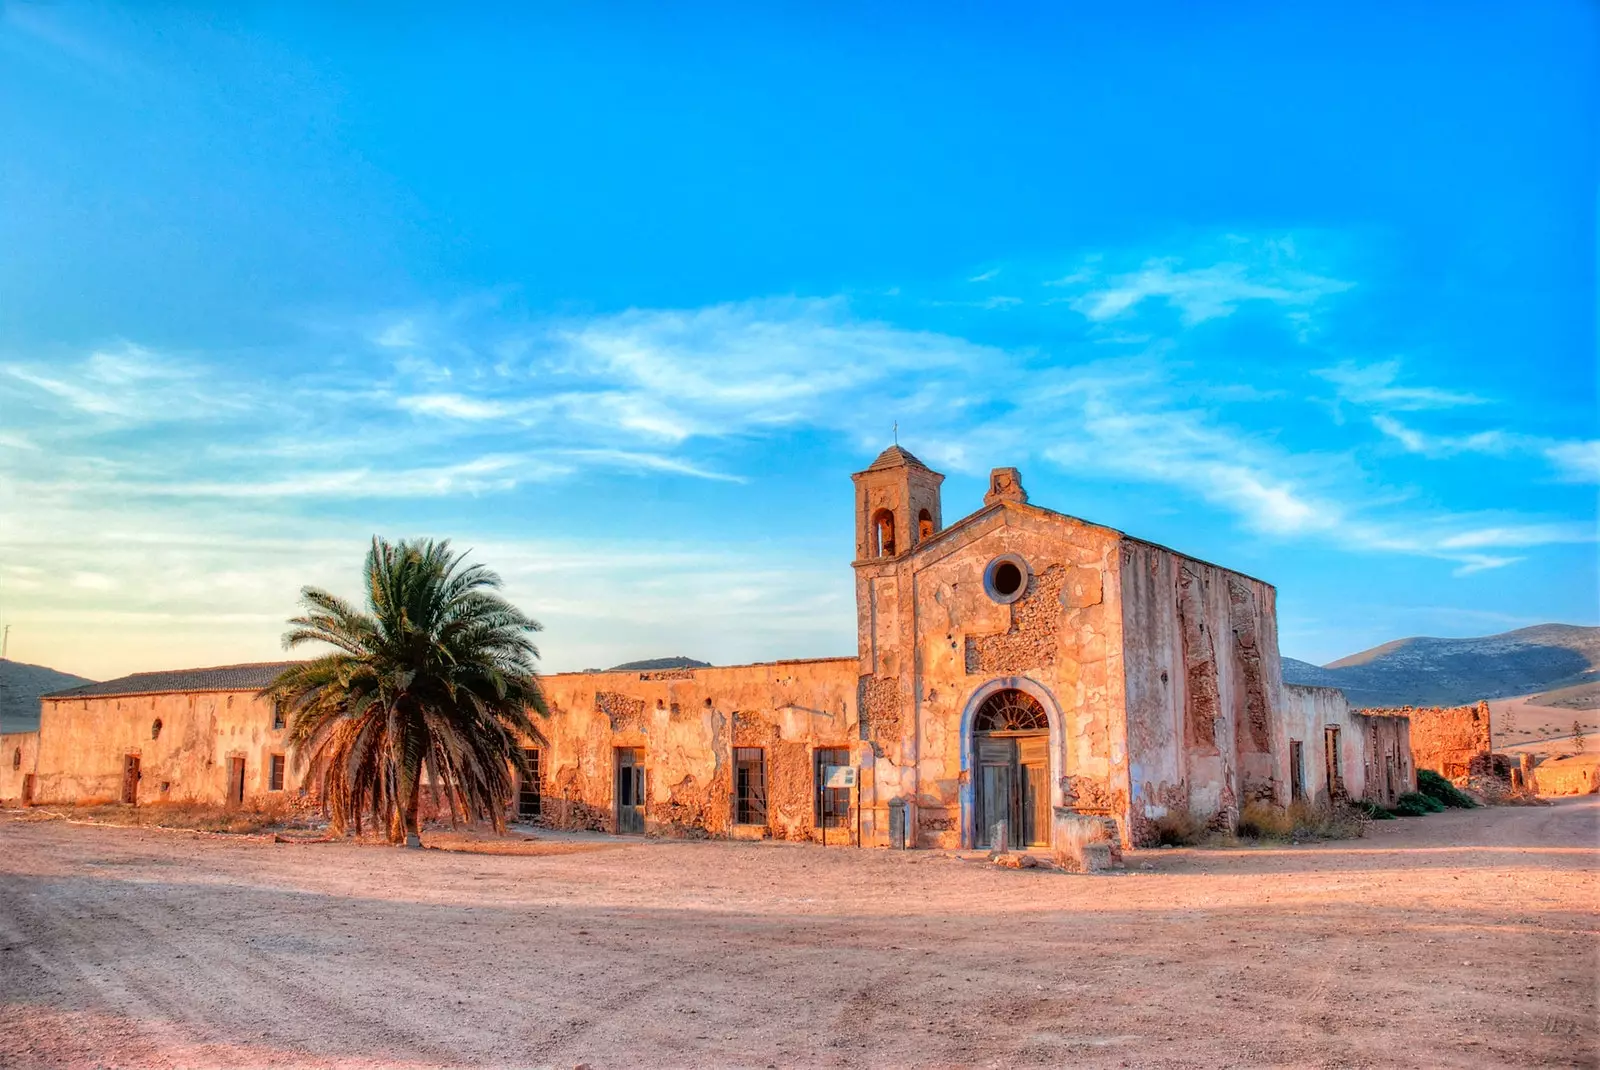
(16,758)
(277,714)
(883,533)
(1006,578)
(275,773)
(1011,710)
(1297,774)
(924,526)
(750,786)
(155,729)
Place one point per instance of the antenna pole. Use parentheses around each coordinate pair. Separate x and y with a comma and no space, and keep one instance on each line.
(5,642)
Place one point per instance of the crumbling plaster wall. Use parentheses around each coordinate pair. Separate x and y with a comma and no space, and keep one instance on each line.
(932,638)
(1367,743)
(19,755)
(1382,737)
(1203,678)
(84,741)
(1446,739)
(688,721)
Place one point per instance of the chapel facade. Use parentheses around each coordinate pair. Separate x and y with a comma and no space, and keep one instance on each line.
(1014,665)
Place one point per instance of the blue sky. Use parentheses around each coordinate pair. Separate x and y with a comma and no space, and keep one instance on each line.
(618,296)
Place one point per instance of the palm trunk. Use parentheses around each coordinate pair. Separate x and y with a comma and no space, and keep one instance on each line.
(413,804)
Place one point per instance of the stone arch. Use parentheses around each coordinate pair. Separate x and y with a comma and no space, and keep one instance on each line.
(969,713)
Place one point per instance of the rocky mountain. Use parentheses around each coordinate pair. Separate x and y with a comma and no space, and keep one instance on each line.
(20,688)
(1424,671)
(652,664)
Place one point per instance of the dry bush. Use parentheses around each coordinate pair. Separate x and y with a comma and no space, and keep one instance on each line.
(1180,828)
(258,817)
(1299,821)
(1074,845)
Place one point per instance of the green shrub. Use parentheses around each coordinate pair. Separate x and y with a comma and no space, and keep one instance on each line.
(1415,804)
(1441,790)
(1371,810)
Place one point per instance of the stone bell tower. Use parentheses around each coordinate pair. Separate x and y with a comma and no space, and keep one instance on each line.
(897,505)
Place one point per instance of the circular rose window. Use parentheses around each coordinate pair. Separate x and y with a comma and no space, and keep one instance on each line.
(1006,578)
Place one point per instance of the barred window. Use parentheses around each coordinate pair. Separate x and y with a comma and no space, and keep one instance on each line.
(750,786)
(531,787)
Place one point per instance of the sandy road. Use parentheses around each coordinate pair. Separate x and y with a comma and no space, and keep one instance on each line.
(1458,940)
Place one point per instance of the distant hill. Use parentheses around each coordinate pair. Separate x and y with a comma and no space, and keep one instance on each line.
(1447,672)
(650,664)
(20,688)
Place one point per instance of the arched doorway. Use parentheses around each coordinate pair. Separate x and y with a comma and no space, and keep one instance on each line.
(1011,771)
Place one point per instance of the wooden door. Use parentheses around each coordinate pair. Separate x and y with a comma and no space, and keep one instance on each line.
(1033,791)
(630,790)
(130,779)
(235,781)
(997,759)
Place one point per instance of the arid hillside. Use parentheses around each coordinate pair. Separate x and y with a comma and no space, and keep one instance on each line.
(20,688)
(1423,671)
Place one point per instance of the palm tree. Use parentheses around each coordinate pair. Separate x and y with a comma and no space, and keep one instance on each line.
(437,678)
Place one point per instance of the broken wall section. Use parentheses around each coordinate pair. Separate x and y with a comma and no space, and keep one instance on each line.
(1446,739)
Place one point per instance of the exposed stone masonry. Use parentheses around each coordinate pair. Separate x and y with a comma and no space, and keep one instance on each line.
(1247,656)
(1031,641)
(623,712)
(879,701)
(1201,701)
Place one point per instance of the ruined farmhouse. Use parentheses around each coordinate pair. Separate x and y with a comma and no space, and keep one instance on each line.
(1014,668)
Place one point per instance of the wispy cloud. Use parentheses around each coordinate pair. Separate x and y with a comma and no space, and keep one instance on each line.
(1266,272)
(1377,386)
(1575,461)
(1578,462)
(127,385)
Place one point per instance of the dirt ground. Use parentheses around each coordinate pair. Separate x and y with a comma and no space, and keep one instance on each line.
(1464,939)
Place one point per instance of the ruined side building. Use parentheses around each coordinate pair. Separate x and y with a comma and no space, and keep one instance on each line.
(1014,667)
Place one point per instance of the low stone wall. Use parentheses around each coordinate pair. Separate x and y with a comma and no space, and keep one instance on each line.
(1577,774)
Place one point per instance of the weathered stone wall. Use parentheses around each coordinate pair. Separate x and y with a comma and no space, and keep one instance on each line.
(19,755)
(934,642)
(1204,727)
(83,743)
(688,722)
(1446,739)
